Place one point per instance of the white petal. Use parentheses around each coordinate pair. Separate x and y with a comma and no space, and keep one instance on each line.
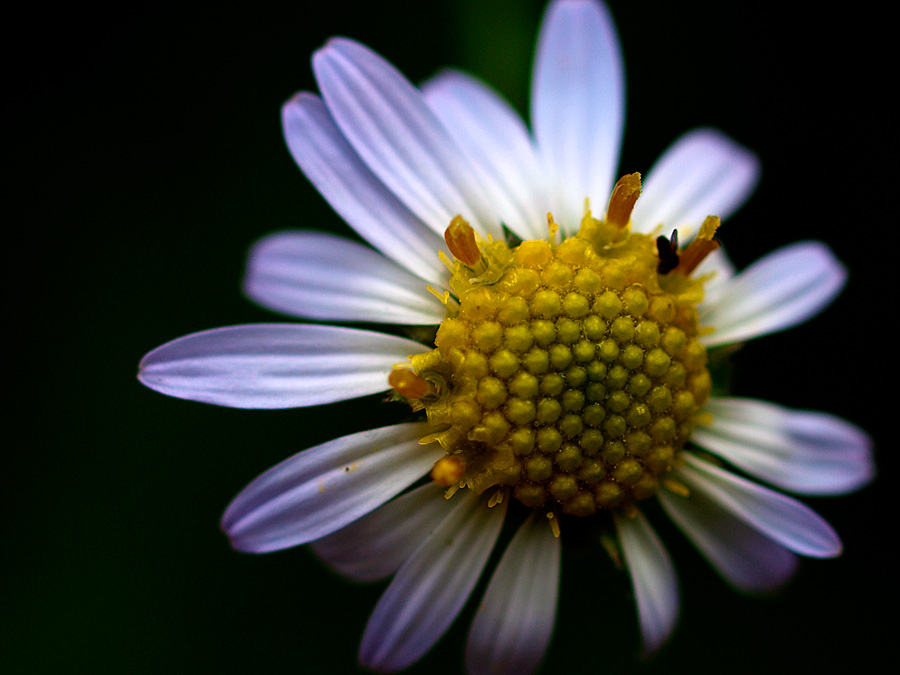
(431,588)
(324,488)
(781,518)
(719,268)
(354,192)
(745,558)
(578,106)
(498,147)
(798,450)
(513,625)
(321,276)
(653,578)
(783,289)
(275,365)
(376,545)
(703,173)
(399,138)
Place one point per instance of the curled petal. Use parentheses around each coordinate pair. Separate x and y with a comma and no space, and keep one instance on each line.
(322,489)
(275,365)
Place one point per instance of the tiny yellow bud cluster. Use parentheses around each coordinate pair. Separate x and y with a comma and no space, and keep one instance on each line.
(574,372)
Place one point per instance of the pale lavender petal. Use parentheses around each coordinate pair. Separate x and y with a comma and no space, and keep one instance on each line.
(653,578)
(777,516)
(376,545)
(322,489)
(386,120)
(431,588)
(783,289)
(514,622)
(718,269)
(353,191)
(578,106)
(798,450)
(745,558)
(498,146)
(703,173)
(321,276)
(275,365)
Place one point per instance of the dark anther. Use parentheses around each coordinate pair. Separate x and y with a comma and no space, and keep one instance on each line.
(668,252)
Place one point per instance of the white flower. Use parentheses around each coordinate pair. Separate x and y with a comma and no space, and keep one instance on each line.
(399,164)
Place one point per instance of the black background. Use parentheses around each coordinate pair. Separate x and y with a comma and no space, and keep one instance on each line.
(146,154)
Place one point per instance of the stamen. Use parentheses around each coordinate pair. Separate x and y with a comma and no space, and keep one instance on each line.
(448,470)
(460,238)
(704,244)
(629,511)
(496,498)
(554,523)
(624,196)
(677,487)
(552,227)
(443,296)
(407,384)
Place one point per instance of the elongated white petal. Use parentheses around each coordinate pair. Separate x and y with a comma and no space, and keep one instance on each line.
(783,289)
(653,578)
(353,191)
(386,120)
(497,143)
(275,365)
(803,451)
(578,106)
(376,545)
(781,518)
(513,625)
(745,558)
(324,488)
(719,270)
(431,588)
(703,173)
(321,276)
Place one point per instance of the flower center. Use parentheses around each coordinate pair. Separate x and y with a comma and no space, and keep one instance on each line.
(572,372)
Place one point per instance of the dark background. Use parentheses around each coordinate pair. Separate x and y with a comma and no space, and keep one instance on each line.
(146,154)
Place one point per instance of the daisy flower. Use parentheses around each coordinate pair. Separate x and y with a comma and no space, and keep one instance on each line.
(568,376)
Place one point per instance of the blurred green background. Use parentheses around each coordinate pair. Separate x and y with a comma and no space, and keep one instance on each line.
(147,156)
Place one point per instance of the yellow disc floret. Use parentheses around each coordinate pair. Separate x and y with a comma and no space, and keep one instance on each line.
(571,373)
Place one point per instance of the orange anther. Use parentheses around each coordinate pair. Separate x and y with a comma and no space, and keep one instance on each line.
(460,238)
(621,203)
(406,383)
(448,470)
(704,244)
